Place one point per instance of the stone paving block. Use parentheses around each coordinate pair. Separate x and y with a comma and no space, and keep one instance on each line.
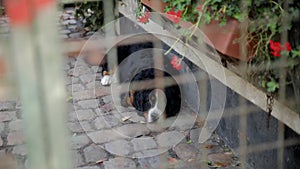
(20,150)
(1,127)
(225,159)
(94,153)
(83,95)
(108,107)
(185,151)
(89,167)
(87,78)
(153,162)
(75,87)
(119,162)
(72,22)
(143,143)
(7,105)
(85,114)
(134,117)
(71,80)
(75,127)
(80,70)
(100,112)
(76,35)
(89,104)
(72,116)
(154,127)
(66,67)
(191,165)
(64,36)
(79,141)
(169,139)
(133,130)
(72,28)
(107,99)
(194,135)
(184,122)
(90,85)
(77,159)
(64,31)
(8,116)
(16,125)
(150,153)
(106,121)
(18,104)
(104,136)
(15,138)
(119,147)
(87,126)
(101,91)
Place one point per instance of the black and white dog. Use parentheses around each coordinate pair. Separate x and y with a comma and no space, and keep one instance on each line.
(152,103)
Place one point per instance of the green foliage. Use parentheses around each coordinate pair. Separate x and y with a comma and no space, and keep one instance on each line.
(91,13)
(188,8)
(296,53)
(272,86)
(266,20)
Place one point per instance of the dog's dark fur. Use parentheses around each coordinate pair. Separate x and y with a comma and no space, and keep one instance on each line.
(123,52)
(141,98)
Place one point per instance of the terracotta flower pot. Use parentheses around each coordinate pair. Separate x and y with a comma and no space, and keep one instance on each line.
(222,38)
(156,5)
(225,38)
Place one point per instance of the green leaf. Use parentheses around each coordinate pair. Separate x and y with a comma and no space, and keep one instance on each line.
(209,162)
(222,23)
(189,142)
(263,84)
(272,86)
(296,53)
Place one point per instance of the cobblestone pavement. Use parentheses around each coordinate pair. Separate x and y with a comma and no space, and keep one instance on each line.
(102,137)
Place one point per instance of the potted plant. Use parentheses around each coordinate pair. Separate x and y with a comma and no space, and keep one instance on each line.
(262,23)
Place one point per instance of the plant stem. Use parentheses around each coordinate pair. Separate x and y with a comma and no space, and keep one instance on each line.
(194,30)
(173,45)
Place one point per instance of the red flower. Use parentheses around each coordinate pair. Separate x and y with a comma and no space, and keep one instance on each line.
(174,16)
(176,62)
(287,46)
(199,8)
(276,48)
(144,18)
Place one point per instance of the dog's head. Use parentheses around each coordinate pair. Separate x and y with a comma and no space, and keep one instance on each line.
(150,103)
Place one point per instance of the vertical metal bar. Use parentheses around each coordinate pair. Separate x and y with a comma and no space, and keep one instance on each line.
(38,63)
(110,31)
(282,89)
(50,73)
(242,67)
(22,50)
(243,131)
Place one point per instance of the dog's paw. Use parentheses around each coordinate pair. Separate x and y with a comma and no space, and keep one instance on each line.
(106,80)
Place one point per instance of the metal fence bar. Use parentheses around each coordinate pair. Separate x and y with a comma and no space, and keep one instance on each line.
(52,84)
(22,50)
(38,63)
